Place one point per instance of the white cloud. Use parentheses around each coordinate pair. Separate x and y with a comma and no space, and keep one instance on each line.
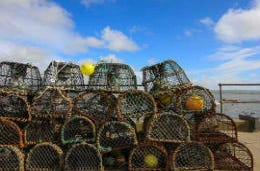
(234,52)
(88,3)
(31,30)
(207,21)
(239,66)
(51,27)
(239,25)
(152,61)
(26,54)
(188,32)
(117,41)
(40,23)
(111,58)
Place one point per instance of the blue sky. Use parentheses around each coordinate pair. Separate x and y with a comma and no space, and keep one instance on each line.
(212,40)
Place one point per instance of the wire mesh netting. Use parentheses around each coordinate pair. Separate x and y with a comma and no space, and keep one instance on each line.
(164,76)
(192,156)
(20,77)
(72,94)
(66,75)
(148,156)
(113,100)
(83,157)
(168,127)
(217,128)
(51,102)
(116,135)
(11,158)
(96,105)
(78,129)
(38,131)
(193,120)
(233,156)
(195,99)
(112,77)
(10,133)
(14,107)
(166,100)
(135,104)
(44,157)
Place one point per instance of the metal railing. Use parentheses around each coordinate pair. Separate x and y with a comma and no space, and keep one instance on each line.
(221,100)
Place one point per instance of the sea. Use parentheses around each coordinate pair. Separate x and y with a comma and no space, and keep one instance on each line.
(234,109)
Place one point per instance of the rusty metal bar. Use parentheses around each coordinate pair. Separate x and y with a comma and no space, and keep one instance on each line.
(222,101)
(220,98)
(239,84)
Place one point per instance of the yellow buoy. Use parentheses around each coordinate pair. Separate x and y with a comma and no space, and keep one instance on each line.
(151,161)
(165,99)
(87,68)
(195,102)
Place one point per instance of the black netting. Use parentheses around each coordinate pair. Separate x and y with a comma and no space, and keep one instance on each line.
(20,76)
(168,127)
(78,129)
(10,133)
(44,157)
(51,102)
(148,157)
(11,159)
(66,75)
(116,135)
(113,77)
(14,107)
(83,157)
(233,156)
(135,104)
(195,99)
(95,105)
(192,156)
(39,131)
(217,128)
(193,120)
(164,76)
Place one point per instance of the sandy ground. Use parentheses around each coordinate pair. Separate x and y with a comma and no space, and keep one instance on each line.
(252,141)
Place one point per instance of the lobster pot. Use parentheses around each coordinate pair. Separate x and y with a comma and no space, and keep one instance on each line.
(163,77)
(83,157)
(78,129)
(96,105)
(233,156)
(44,157)
(195,99)
(66,75)
(168,127)
(51,103)
(166,100)
(10,133)
(217,128)
(39,131)
(112,77)
(14,107)
(113,100)
(20,77)
(192,156)
(148,156)
(116,135)
(135,104)
(11,159)
(193,120)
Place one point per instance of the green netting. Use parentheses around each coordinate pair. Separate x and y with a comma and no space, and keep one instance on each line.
(78,129)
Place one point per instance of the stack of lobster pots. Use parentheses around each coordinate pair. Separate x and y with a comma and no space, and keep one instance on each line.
(58,123)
